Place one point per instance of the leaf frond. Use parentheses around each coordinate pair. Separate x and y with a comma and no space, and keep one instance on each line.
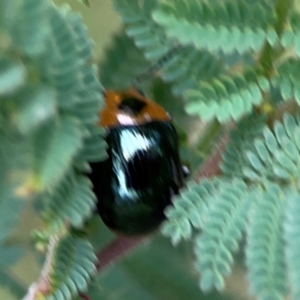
(226,97)
(291,235)
(275,155)
(241,140)
(73,265)
(226,219)
(265,245)
(71,202)
(226,26)
(189,209)
(287,80)
(291,37)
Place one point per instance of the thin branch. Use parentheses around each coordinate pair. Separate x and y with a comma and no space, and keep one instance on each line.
(117,249)
(42,285)
(84,296)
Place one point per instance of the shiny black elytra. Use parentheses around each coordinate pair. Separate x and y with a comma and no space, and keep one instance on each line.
(143,170)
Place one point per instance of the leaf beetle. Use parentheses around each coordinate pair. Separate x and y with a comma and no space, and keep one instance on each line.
(143,170)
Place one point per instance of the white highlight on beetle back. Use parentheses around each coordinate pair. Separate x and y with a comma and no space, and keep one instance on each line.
(133,141)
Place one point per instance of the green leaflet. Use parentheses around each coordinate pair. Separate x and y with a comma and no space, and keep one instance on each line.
(34,105)
(226,98)
(16,19)
(219,208)
(265,248)
(287,80)
(72,202)
(14,154)
(228,26)
(12,75)
(276,154)
(139,25)
(291,235)
(189,67)
(262,155)
(54,146)
(190,209)
(94,149)
(241,140)
(291,36)
(222,230)
(73,265)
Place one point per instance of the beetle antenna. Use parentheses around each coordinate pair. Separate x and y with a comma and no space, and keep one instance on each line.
(157,66)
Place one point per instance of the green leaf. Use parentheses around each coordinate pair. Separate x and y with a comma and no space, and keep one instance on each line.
(189,209)
(225,98)
(275,155)
(73,266)
(71,202)
(287,80)
(30,37)
(265,247)
(291,235)
(56,144)
(34,106)
(242,139)
(227,26)
(221,233)
(12,76)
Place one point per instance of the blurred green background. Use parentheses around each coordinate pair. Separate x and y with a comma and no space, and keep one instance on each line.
(155,271)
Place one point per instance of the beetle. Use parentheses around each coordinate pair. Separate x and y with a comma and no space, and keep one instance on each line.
(143,170)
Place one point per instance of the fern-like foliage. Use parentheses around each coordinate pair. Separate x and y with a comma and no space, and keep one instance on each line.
(72,201)
(292,231)
(151,39)
(241,140)
(221,234)
(290,37)
(265,250)
(229,25)
(189,210)
(267,160)
(50,98)
(74,264)
(287,80)
(275,155)
(226,97)
(196,74)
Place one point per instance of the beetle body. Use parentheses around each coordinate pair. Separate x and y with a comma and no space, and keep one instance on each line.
(143,171)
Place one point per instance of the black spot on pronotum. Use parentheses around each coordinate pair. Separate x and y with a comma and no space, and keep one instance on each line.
(132,106)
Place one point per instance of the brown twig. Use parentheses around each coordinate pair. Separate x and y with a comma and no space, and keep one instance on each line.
(84,296)
(116,249)
(42,285)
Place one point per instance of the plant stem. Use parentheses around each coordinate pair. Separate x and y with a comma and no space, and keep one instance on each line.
(117,249)
(84,296)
